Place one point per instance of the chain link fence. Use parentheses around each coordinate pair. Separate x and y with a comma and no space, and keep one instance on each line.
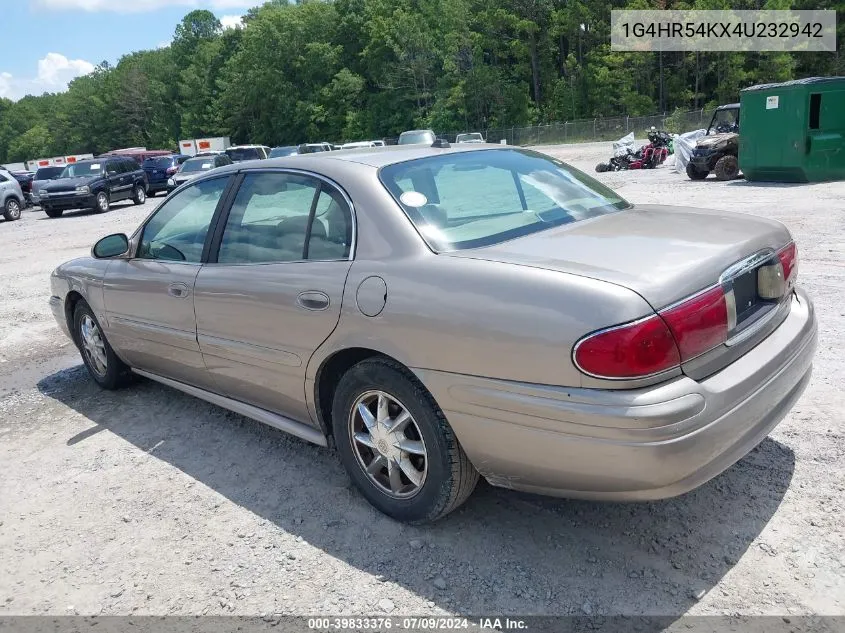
(598,129)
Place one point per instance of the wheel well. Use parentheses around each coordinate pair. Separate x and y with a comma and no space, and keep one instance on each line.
(330,373)
(71,300)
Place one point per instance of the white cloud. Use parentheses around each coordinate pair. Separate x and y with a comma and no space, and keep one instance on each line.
(140,6)
(55,71)
(231,21)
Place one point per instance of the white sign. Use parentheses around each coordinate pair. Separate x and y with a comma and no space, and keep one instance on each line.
(772,102)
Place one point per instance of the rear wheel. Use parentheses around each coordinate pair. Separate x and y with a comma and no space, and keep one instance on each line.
(695,173)
(602,167)
(727,168)
(102,363)
(53,213)
(396,444)
(101,202)
(140,195)
(12,210)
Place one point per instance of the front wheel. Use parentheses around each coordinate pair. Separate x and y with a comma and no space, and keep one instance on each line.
(101,202)
(53,213)
(695,173)
(396,444)
(602,167)
(102,363)
(140,195)
(12,210)
(726,168)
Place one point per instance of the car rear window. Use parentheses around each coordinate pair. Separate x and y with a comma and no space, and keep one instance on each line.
(46,173)
(473,199)
(243,153)
(161,162)
(198,164)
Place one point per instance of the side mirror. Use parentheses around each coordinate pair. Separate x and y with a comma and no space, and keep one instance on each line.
(111,246)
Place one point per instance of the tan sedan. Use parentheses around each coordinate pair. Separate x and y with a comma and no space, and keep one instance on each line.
(440,313)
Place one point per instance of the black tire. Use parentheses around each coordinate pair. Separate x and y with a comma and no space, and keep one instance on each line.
(727,168)
(695,173)
(12,210)
(152,194)
(139,196)
(450,477)
(602,167)
(101,202)
(117,373)
(53,213)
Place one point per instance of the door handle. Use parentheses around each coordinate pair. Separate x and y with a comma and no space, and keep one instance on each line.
(313,300)
(179,290)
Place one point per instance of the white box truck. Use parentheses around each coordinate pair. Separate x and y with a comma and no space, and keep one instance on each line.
(192,147)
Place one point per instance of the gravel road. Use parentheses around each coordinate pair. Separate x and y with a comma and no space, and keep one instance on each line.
(147,501)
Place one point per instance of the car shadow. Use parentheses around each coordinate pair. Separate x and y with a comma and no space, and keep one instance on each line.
(503,552)
(79,213)
(772,185)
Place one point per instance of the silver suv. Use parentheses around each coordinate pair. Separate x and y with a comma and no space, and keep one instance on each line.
(11,196)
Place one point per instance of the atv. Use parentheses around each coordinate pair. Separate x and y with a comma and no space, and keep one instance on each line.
(718,150)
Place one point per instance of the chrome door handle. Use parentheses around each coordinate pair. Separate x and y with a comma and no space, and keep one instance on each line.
(179,290)
(313,300)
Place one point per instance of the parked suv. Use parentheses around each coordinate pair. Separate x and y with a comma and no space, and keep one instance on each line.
(160,169)
(11,196)
(94,184)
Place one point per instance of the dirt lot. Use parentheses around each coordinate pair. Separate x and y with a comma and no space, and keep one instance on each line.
(148,501)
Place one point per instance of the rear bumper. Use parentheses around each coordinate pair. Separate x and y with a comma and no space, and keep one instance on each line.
(638,444)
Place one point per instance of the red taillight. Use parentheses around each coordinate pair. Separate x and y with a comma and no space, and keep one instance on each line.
(629,351)
(788,257)
(698,324)
(657,343)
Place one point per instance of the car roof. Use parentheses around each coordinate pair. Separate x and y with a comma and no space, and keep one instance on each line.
(375,157)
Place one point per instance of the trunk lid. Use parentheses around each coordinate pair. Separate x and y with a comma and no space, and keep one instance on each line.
(663,253)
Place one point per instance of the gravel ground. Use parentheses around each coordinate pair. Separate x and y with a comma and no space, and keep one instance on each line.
(147,501)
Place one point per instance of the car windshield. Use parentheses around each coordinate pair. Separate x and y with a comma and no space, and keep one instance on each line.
(198,164)
(82,169)
(243,153)
(463,138)
(412,138)
(48,173)
(473,199)
(160,162)
(278,152)
(724,121)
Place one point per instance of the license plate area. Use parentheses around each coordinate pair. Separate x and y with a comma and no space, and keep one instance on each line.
(750,293)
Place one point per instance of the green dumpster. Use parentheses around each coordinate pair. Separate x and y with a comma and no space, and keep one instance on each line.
(794,131)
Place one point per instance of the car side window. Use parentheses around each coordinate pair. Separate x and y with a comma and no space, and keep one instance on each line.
(177,231)
(3,178)
(112,168)
(271,221)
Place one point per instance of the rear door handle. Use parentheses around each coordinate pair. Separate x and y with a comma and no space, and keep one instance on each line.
(178,290)
(313,300)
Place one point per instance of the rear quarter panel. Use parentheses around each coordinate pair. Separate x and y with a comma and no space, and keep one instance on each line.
(480,318)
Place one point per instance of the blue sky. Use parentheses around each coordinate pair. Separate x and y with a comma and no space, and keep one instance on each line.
(53,41)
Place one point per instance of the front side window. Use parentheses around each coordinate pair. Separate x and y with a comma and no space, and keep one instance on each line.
(474,199)
(178,230)
(279,217)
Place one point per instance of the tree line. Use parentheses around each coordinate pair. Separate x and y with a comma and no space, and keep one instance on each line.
(342,70)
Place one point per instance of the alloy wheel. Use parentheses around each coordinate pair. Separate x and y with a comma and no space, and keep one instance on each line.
(13,209)
(388,445)
(93,345)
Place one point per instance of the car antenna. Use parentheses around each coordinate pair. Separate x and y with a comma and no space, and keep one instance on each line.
(441,143)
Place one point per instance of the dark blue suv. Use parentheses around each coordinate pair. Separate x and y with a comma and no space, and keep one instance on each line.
(160,169)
